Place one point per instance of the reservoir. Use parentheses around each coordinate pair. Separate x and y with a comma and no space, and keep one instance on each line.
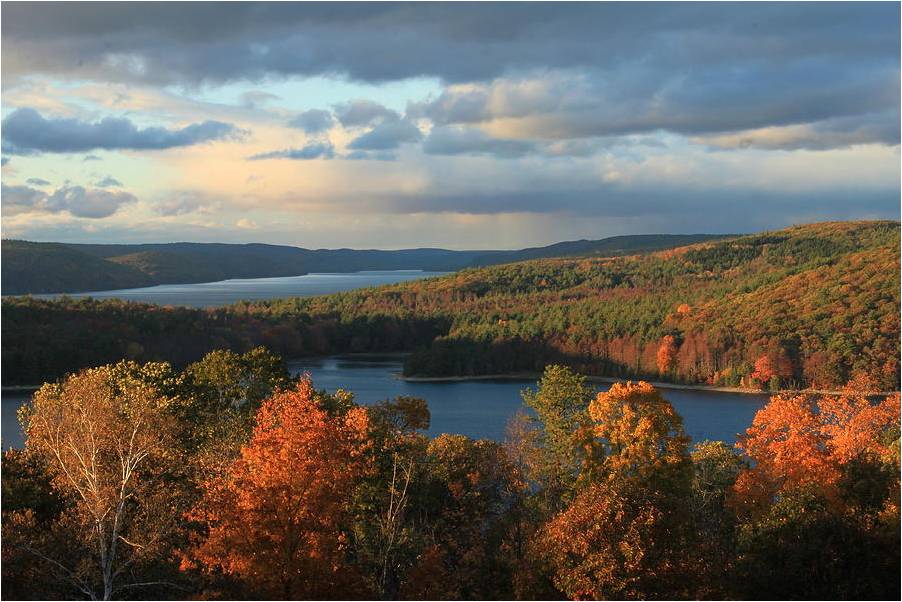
(476,408)
(226,292)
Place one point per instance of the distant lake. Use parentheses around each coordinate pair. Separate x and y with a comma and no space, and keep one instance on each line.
(476,408)
(226,292)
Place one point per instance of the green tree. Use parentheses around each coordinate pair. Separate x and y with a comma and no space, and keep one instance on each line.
(560,405)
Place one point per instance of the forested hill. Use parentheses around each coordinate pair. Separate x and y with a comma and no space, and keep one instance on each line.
(812,305)
(30,267)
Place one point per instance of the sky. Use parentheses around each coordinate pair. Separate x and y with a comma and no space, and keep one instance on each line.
(466,126)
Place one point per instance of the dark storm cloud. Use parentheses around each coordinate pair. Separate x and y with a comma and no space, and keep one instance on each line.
(37,182)
(314,121)
(388,135)
(25,131)
(75,200)
(316,150)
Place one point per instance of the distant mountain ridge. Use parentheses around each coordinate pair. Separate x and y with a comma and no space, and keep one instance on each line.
(37,267)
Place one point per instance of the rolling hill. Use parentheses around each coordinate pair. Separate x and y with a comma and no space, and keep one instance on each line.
(31,267)
(811,305)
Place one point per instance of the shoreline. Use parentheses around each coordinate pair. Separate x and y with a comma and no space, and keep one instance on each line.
(535,377)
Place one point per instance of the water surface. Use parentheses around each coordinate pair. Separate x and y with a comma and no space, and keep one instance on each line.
(226,292)
(476,408)
(481,408)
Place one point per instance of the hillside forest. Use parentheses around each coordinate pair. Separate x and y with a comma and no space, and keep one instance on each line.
(811,306)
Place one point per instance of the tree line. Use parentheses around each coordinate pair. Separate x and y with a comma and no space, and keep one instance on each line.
(231,479)
(811,306)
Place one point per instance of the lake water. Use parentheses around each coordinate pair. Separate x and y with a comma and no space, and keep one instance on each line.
(226,292)
(476,408)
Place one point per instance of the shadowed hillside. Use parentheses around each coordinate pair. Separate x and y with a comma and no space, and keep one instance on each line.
(30,267)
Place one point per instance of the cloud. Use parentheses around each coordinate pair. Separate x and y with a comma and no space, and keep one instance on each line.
(314,121)
(821,135)
(253,99)
(362,113)
(315,150)
(196,43)
(109,182)
(361,155)
(37,182)
(91,158)
(531,70)
(460,141)
(75,200)
(558,106)
(21,199)
(183,202)
(247,224)
(25,131)
(387,135)
(4,161)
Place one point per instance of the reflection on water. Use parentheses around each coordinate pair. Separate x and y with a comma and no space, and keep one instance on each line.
(478,408)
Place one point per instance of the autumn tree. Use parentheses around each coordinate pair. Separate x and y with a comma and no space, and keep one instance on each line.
(641,435)
(772,369)
(666,355)
(613,542)
(626,534)
(464,504)
(819,501)
(807,440)
(106,440)
(224,378)
(277,519)
(31,507)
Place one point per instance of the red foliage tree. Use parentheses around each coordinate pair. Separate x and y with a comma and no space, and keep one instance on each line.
(799,441)
(275,519)
(773,364)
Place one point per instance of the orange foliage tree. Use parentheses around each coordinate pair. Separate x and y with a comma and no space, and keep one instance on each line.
(625,536)
(641,433)
(667,352)
(805,440)
(610,544)
(276,518)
